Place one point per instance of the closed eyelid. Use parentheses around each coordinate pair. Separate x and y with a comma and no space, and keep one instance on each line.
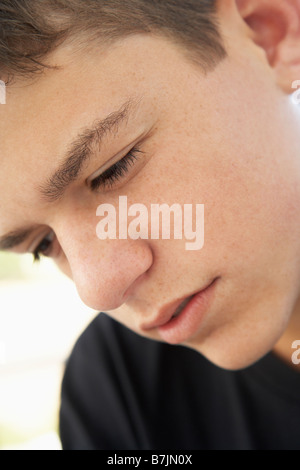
(79,152)
(115,159)
(110,163)
(38,240)
(116,172)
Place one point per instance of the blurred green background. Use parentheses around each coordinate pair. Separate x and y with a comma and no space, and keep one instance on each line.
(12,267)
(41,316)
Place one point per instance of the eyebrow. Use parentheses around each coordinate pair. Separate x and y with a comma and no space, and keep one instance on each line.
(13,239)
(80,150)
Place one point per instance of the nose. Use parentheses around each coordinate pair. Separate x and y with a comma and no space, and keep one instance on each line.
(104,271)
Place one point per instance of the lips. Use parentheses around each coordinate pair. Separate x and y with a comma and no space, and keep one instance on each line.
(181,307)
(173,309)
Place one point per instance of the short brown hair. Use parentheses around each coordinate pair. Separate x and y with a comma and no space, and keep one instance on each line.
(31,29)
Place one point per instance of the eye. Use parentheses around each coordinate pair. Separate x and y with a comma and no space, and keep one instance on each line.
(44,248)
(116,172)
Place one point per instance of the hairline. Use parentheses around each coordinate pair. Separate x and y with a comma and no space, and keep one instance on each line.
(86,40)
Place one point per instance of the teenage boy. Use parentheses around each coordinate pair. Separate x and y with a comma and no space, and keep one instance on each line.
(164,102)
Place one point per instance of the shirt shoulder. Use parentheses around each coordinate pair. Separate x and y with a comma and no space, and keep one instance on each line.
(122,391)
(119,389)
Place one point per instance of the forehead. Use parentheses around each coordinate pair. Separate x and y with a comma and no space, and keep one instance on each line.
(41,114)
(86,83)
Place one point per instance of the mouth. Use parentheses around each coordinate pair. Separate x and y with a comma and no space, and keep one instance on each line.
(170,314)
(181,307)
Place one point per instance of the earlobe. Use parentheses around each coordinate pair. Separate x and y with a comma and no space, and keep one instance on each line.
(276,29)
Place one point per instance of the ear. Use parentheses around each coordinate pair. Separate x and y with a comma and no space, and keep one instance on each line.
(275,25)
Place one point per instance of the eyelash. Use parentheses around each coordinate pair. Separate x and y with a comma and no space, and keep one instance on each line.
(115,172)
(42,251)
(108,178)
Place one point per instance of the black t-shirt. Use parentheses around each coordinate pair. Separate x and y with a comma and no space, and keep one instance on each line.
(124,392)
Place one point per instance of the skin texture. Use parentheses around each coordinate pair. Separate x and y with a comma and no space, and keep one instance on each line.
(229,139)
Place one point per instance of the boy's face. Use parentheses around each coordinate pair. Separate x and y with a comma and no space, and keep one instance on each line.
(228,140)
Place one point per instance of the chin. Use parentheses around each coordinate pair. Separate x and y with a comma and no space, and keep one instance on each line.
(242,341)
(234,363)
(236,352)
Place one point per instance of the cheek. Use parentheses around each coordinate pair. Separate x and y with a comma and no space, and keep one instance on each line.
(64,266)
(248,181)
(251,223)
